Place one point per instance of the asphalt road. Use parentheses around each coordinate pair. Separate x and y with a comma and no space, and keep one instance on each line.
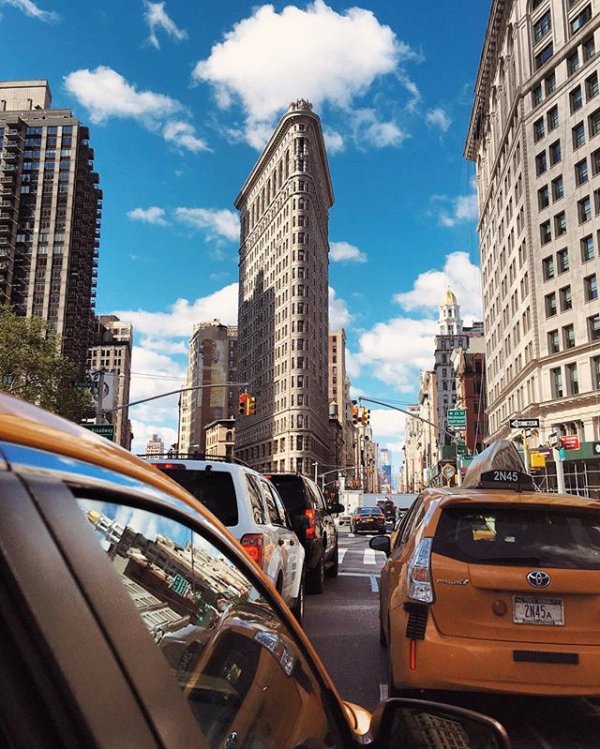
(343,625)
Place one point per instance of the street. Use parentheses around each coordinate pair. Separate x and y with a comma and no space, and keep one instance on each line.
(343,625)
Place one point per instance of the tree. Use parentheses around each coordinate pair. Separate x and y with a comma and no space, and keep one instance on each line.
(32,368)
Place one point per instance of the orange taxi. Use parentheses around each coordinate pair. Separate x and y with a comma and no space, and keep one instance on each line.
(493,586)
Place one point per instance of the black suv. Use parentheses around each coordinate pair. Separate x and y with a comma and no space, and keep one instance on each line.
(312,520)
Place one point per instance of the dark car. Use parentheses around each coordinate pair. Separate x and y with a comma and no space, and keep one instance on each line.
(388,508)
(314,525)
(367,519)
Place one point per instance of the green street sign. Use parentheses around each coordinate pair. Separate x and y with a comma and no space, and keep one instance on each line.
(179,585)
(104,430)
(461,448)
(457,417)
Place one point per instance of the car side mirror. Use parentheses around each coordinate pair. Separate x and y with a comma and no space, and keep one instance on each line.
(336,508)
(381,543)
(413,723)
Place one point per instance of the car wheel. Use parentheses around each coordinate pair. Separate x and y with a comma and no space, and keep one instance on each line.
(332,570)
(316,578)
(298,607)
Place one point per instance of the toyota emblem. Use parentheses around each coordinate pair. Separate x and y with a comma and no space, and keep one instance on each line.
(538,579)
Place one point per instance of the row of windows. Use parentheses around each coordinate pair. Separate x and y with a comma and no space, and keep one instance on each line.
(565,297)
(568,335)
(567,383)
(573,62)
(550,268)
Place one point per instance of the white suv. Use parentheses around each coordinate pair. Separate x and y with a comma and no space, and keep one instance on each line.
(249,505)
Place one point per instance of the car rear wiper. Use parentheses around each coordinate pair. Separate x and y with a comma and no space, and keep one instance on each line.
(512,560)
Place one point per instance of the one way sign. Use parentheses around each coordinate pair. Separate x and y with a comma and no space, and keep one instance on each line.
(524,423)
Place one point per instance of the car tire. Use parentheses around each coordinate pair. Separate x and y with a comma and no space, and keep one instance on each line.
(332,570)
(298,608)
(315,579)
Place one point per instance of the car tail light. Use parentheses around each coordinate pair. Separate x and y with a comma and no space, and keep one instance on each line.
(420,587)
(169,466)
(253,544)
(310,516)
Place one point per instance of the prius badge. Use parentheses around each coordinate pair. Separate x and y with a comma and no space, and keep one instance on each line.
(538,579)
(443,581)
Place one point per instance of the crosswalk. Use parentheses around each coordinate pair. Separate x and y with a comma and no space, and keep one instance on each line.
(369,556)
(364,563)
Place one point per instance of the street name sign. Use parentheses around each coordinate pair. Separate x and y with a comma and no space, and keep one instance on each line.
(83,384)
(104,430)
(524,423)
(457,417)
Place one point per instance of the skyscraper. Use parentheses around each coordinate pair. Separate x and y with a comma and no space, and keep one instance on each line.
(533,136)
(283,297)
(111,352)
(212,363)
(49,214)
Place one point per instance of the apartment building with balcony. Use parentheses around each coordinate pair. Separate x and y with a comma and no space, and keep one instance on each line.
(534,136)
(283,315)
(50,207)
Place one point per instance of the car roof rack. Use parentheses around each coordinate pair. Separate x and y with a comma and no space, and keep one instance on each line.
(173,455)
(499,466)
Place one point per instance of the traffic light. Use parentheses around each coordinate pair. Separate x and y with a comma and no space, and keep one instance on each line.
(250,405)
(243,404)
(365,417)
(355,415)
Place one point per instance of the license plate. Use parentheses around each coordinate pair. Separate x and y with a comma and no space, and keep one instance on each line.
(534,610)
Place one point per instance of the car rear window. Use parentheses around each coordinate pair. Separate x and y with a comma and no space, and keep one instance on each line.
(368,511)
(214,489)
(549,537)
(291,491)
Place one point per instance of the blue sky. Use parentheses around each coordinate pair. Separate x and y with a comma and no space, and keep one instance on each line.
(181,96)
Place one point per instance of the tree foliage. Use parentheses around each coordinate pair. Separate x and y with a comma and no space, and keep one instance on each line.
(32,368)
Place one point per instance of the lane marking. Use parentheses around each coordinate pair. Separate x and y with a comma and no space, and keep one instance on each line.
(341,554)
(357,574)
(369,556)
(374,585)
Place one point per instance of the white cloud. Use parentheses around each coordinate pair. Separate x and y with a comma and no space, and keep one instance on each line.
(179,320)
(320,55)
(460,275)
(219,223)
(368,129)
(157,18)
(397,350)
(164,345)
(32,10)
(343,252)
(438,118)
(334,142)
(105,94)
(339,315)
(387,423)
(153,215)
(184,135)
(143,432)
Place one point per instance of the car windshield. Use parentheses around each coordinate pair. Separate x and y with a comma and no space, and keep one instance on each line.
(213,488)
(368,511)
(568,538)
(291,491)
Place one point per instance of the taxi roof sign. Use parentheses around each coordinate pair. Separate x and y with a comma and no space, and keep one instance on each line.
(499,466)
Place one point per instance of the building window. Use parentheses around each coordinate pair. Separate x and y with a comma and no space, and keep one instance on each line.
(550,304)
(573,63)
(566,299)
(569,336)
(581,172)
(588,49)
(545,232)
(562,260)
(543,197)
(553,342)
(587,248)
(594,327)
(595,158)
(557,188)
(584,209)
(554,153)
(542,27)
(536,95)
(575,99)
(552,118)
(548,267)
(556,383)
(540,163)
(590,285)
(550,83)
(579,21)
(542,57)
(594,123)
(595,361)
(591,86)
(538,129)
(560,224)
